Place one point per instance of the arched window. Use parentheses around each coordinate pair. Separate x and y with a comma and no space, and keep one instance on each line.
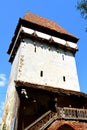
(65,127)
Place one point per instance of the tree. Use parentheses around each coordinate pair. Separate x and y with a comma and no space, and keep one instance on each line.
(82,6)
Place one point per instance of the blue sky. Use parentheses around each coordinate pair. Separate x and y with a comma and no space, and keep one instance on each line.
(62,12)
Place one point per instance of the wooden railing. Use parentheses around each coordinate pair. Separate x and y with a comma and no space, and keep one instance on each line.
(40,122)
(72,113)
(66,113)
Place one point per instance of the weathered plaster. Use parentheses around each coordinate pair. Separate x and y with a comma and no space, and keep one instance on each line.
(12,100)
(55,63)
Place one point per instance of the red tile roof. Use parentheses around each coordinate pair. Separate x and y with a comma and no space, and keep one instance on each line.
(45,23)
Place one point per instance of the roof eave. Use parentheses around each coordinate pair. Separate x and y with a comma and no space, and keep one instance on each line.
(34,26)
(50,89)
(48,30)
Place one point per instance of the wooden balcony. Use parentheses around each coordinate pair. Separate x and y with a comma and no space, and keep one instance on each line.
(42,122)
(71,113)
(62,113)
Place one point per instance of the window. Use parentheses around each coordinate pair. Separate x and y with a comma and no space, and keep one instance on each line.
(63,57)
(41,73)
(35,49)
(64,79)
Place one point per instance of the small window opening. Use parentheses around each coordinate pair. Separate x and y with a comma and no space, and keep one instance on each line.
(64,79)
(41,73)
(63,57)
(35,49)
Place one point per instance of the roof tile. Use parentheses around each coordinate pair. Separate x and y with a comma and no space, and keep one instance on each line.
(45,23)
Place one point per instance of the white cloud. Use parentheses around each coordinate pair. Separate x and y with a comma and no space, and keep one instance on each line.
(2,80)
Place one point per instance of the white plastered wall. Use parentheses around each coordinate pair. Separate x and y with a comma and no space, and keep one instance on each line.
(49,60)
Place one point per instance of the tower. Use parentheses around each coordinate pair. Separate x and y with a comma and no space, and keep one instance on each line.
(43,79)
(47,52)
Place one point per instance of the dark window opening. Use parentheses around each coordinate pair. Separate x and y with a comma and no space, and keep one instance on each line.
(35,49)
(64,79)
(41,73)
(63,57)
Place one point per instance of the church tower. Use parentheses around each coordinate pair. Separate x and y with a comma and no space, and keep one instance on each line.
(45,53)
(43,77)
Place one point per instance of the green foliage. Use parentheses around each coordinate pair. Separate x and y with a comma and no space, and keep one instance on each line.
(82,6)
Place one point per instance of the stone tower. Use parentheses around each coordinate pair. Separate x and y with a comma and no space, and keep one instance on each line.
(43,79)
